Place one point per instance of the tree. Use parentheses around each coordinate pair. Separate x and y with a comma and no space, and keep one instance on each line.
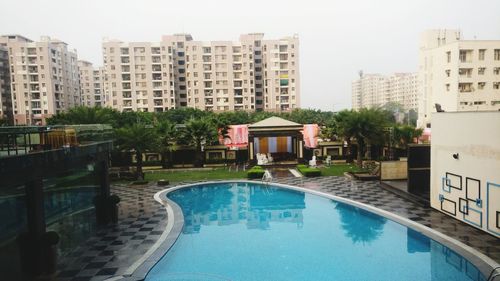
(167,133)
(199,132)
(366,126)
(139,139)
(342,126)
(404,135)
(86,115)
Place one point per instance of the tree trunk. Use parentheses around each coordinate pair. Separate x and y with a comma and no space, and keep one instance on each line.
(164,162)
(360,153)
(198,157)
(139,173)
(349,151)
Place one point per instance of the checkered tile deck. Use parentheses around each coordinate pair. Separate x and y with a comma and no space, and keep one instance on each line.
(142,220)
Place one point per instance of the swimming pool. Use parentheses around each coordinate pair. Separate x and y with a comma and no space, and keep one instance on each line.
(249,231)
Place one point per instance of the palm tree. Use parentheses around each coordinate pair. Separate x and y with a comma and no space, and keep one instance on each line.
(167,133)
(137,138)
(404,135)
(199,132)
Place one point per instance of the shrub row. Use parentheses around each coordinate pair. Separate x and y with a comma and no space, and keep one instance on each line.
(308,171)
(256,172)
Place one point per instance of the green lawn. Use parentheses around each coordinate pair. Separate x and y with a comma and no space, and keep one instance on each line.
(177,176)
(339,169)
(224,174)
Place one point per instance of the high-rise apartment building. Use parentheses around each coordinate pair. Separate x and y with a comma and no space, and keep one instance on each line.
(91,84)
(43,76)
(457,74)
(5,96)
(250,74)
(375,90)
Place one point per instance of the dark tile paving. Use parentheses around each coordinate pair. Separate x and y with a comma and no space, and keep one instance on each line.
(142,221)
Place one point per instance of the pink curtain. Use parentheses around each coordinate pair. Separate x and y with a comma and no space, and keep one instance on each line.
(238,136)
(310,133)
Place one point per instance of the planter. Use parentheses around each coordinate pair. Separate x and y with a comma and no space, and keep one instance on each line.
(163,183)
(49,243)
(38,255)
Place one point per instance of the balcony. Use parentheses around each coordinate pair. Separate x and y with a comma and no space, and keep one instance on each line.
(465,56)
(465,87)
(34,88)
(125,60)
(465,72)
(32,69)
(156,76)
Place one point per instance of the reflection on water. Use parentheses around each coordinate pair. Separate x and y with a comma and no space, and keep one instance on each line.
(225,204)
(360,225)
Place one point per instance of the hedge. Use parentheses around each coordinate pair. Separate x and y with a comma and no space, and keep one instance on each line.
(256,172)
(308,171)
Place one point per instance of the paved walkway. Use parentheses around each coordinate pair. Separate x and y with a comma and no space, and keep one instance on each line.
(142,220)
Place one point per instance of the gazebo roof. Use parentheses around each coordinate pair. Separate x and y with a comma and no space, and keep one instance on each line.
(274,122)
(275,126)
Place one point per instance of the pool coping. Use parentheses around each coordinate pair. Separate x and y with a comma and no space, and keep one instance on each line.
(175,222)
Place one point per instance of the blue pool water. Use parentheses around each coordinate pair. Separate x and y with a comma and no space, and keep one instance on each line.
(243,231)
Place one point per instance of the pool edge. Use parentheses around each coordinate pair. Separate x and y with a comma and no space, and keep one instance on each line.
(175,222)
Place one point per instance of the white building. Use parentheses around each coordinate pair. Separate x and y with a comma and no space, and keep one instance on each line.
(5,96)
(43,77)
(375,90)
(459,75)
(249,74)
(465,165)
(91,84)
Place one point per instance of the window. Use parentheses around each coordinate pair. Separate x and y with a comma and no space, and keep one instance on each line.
(448,73)
(481,54)
(496,70)
(448,57)
(481,70)
(480,85)
(497,54)
(496,85)
(447,87)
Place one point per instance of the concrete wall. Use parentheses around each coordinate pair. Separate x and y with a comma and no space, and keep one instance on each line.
(393,170)
(467,188)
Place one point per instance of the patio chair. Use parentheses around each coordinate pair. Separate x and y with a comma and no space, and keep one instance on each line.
(270,158)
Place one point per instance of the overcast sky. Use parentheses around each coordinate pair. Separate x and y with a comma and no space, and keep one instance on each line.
(337,38)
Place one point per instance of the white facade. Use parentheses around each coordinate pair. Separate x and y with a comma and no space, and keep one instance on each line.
(250,74)
(44,78)
(375,90)
(91,84)
(459,75)
(465,167)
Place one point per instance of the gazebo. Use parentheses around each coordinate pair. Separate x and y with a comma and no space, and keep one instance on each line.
(281,138)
